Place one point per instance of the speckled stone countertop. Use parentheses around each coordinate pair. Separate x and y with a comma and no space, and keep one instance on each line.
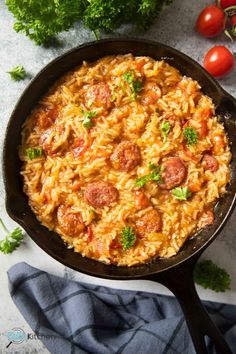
(174,27)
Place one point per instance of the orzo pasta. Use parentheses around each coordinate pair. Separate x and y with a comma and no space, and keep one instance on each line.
(125,159)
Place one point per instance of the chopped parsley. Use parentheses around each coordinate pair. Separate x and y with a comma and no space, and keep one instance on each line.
(34,153)
(165,129)
(88,118)
(190,135)
(181,193)
(155,175)
(128,238)
(17,73)
(134,84)
(210,276)
(12,239)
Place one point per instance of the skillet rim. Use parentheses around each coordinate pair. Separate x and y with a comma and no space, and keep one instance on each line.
(110,275)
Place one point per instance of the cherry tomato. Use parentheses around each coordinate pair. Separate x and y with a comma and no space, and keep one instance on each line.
(219,61)
(224,4)
(211,21)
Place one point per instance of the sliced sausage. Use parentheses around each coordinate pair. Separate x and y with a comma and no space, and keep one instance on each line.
(100,194)
(70,223)
(45,143)
(98,95)
(126,156)
(150,94)
(174,172)
(47,118)
(210,163)
(149,222)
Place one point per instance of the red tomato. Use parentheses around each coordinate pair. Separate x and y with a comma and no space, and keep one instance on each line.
(140,200)
(227,3)
(79,147)
(219,61)
(211,21)
(90,233)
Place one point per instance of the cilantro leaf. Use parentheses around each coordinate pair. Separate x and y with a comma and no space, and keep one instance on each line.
(34,153)
(165,129)
(135,85)
(181,193)
(12,240)
(191,135)
(88,116)
(210,276)
(128,238)
(17,73)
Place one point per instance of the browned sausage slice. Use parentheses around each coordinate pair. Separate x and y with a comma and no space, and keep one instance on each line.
(98,95)
(210,163)
(126,156)
(70,223)
(100,194)
(149,222)
(174,172)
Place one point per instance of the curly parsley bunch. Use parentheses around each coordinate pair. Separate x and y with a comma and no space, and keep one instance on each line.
(41,20)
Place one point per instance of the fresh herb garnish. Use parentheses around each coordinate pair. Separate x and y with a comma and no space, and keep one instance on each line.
(42,20)
(190,135)
(165,129)
(181,193)
(134,84)
(88,116)
(12,239)
(155,175)
(210,276)
(34,153)
(128,238)
(17,73)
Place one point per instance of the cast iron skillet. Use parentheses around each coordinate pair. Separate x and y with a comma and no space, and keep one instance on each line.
(176,272)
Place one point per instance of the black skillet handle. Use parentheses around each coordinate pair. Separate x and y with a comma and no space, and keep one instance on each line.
(179,280)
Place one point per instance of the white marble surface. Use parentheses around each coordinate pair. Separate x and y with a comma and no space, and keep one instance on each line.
(174,27)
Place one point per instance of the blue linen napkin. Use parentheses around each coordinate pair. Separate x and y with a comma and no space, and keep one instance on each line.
(78,318)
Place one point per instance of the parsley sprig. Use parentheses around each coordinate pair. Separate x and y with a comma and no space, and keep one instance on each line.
(155,175)
(165,129)
(34,153)
(181,193)
(88,118)
(128,238)
(191,135)
(210,276)
(17,73)
(134,84)
(12,239)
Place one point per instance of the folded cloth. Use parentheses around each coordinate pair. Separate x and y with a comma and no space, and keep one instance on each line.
(72,317)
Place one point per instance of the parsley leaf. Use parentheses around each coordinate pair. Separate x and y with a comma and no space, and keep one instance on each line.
(210,276)
(12,240)
(155,175)
(34,153)
(88,115)
(135,85)
(165,129)
(128,238)
(190,135)
(17,73)
(181,193)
